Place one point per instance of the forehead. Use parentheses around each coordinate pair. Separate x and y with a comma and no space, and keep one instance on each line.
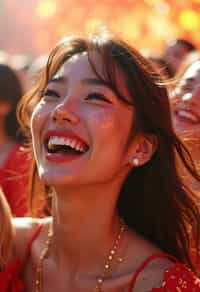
(78,66)
(193,72)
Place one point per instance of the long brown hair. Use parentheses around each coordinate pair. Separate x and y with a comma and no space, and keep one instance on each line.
(154,200)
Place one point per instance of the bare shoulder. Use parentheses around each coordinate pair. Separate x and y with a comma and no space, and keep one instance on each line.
(151,274)
(24,231)
(152,277)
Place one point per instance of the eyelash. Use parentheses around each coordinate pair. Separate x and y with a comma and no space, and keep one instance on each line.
(94,95)
(98,96)
(185,89)
(50,92)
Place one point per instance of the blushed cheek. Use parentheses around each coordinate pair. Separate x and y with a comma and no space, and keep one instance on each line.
(112,125)
(197,96)
(104,120)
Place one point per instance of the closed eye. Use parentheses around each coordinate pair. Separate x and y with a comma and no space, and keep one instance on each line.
(98,97)
(186,88)
(50,92)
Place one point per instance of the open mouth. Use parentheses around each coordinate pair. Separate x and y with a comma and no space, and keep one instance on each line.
(64,145)
(188,116)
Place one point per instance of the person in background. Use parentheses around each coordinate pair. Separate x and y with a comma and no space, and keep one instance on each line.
(14,161)
(159,63)
(186,103)
(106,166)
(36,68)
(175,53)
(21,64)
(186,112)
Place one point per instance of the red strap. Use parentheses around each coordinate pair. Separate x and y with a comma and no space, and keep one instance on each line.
(145,263)
(28,249)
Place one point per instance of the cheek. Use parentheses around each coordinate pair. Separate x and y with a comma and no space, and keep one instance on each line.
(103,122)
(111,125)
(197,95)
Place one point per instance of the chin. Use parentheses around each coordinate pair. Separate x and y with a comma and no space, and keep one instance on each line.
(55,179)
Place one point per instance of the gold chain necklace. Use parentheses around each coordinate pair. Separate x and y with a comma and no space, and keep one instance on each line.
(107,266)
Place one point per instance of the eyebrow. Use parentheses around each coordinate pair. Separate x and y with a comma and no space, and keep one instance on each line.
(90,81)
(94,81)
(58,79)
(191,79)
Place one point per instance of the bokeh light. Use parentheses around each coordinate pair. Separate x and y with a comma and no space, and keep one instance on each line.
(46,8)
(190,20)
(146,24)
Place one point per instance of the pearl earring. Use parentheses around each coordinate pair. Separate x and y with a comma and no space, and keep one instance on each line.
(135,161)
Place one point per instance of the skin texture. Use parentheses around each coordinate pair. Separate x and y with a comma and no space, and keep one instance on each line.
(85,218)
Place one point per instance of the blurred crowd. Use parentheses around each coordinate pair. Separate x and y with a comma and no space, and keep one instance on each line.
(17,75)
(179,66)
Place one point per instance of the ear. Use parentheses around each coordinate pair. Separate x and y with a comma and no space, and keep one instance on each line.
(145,147)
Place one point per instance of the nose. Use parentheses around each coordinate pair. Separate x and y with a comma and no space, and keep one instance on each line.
(64,113)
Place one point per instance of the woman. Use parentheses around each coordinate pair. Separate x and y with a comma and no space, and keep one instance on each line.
(186,96)
(105,154)
(175,53)
(14,161)
(186,113)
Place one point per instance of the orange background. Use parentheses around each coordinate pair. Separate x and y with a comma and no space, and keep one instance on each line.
(34,26)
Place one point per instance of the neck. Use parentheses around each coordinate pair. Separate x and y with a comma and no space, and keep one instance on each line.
(85,224)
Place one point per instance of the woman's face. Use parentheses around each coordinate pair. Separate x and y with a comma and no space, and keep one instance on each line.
(186,112)
(80,128)
(187,109)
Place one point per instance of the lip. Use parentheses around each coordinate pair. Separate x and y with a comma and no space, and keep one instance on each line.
(190,116)
(60,157)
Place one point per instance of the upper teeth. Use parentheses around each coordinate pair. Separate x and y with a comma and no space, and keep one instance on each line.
(187,115)
(73,143)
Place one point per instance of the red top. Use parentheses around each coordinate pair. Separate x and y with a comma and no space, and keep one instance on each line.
(14,180)
(10,278)
(179,278)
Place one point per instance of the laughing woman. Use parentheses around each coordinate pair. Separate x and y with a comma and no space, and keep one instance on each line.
(186,105)
(106,170)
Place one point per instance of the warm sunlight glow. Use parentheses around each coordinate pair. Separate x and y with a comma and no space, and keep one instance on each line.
(190,20)
(46,9)
(147,24)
